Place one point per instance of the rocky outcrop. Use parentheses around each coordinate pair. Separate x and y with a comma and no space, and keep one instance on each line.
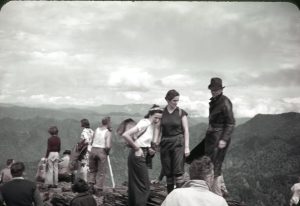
(62,195)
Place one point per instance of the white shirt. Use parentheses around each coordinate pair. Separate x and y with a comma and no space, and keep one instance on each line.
(63,165)
(194,193)
(99,138)
(145,139)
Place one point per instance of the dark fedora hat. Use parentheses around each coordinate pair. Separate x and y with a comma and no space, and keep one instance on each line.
(215,83)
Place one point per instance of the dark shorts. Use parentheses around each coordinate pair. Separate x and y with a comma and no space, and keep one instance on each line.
(172,155)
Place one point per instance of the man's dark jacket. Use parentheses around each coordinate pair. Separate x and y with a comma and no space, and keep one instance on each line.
(221,125)
(20,192)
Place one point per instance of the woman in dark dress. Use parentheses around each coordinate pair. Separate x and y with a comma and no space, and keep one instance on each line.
(174,144)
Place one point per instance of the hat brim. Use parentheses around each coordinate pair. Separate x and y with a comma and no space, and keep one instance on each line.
(211,87)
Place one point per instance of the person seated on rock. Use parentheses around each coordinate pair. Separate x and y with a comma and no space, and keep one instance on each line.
(41,170)
(64,173)
(296,193)
(83,198)
(5,174)
(195,192)
(20,191)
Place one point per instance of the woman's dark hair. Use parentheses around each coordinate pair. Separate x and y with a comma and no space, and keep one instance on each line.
(85,123)
(17,169)
(80,186)
(53,130)
(122,126)
(154,109)
(171,94)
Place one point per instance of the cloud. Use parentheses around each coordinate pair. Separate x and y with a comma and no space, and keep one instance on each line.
(254,106)
(130,79)
(275,79)
(177,81)
(134,96)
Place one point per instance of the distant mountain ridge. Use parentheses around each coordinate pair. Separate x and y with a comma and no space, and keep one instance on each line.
(92,113)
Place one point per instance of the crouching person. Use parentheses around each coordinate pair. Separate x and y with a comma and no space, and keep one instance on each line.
(83,198)
(195,192)
(41,170)
(64,173)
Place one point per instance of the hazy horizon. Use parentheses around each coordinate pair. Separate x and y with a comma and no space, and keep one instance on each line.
(84,54)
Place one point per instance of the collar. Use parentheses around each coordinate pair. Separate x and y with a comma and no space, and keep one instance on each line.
(216,97)
(196,183)
(82,194)
(18,178)
(166,109)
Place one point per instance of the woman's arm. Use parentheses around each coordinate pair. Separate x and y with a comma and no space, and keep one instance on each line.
(127,136)
(156,135)
(107,142)
(108,139)
(185,126)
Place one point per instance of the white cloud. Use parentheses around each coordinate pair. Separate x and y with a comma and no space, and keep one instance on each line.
(295,100)
(177,81)
(134,96)
(128,79)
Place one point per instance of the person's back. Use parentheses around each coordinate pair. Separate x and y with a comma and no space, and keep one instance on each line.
(5,174)
(194,193)
(63,165)
(99,138)
(18,191)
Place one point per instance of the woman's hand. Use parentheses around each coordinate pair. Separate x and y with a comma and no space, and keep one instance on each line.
(151,151)
(139,153)
(222,144)
(186,151)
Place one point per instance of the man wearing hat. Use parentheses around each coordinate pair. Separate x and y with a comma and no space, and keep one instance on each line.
(218,135)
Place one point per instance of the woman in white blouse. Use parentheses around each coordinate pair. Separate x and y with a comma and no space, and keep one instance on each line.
(139,138)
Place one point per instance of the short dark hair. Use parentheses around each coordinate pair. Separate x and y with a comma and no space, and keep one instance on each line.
(154,109)
(171,94)
(105,121)
(17,169)
(80,185)
(53,130)
(9,161)
(85,123)
(201,168)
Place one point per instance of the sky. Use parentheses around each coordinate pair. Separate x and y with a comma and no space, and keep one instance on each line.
(87,53)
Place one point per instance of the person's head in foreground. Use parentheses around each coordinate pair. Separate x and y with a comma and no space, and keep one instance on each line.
(17,169)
